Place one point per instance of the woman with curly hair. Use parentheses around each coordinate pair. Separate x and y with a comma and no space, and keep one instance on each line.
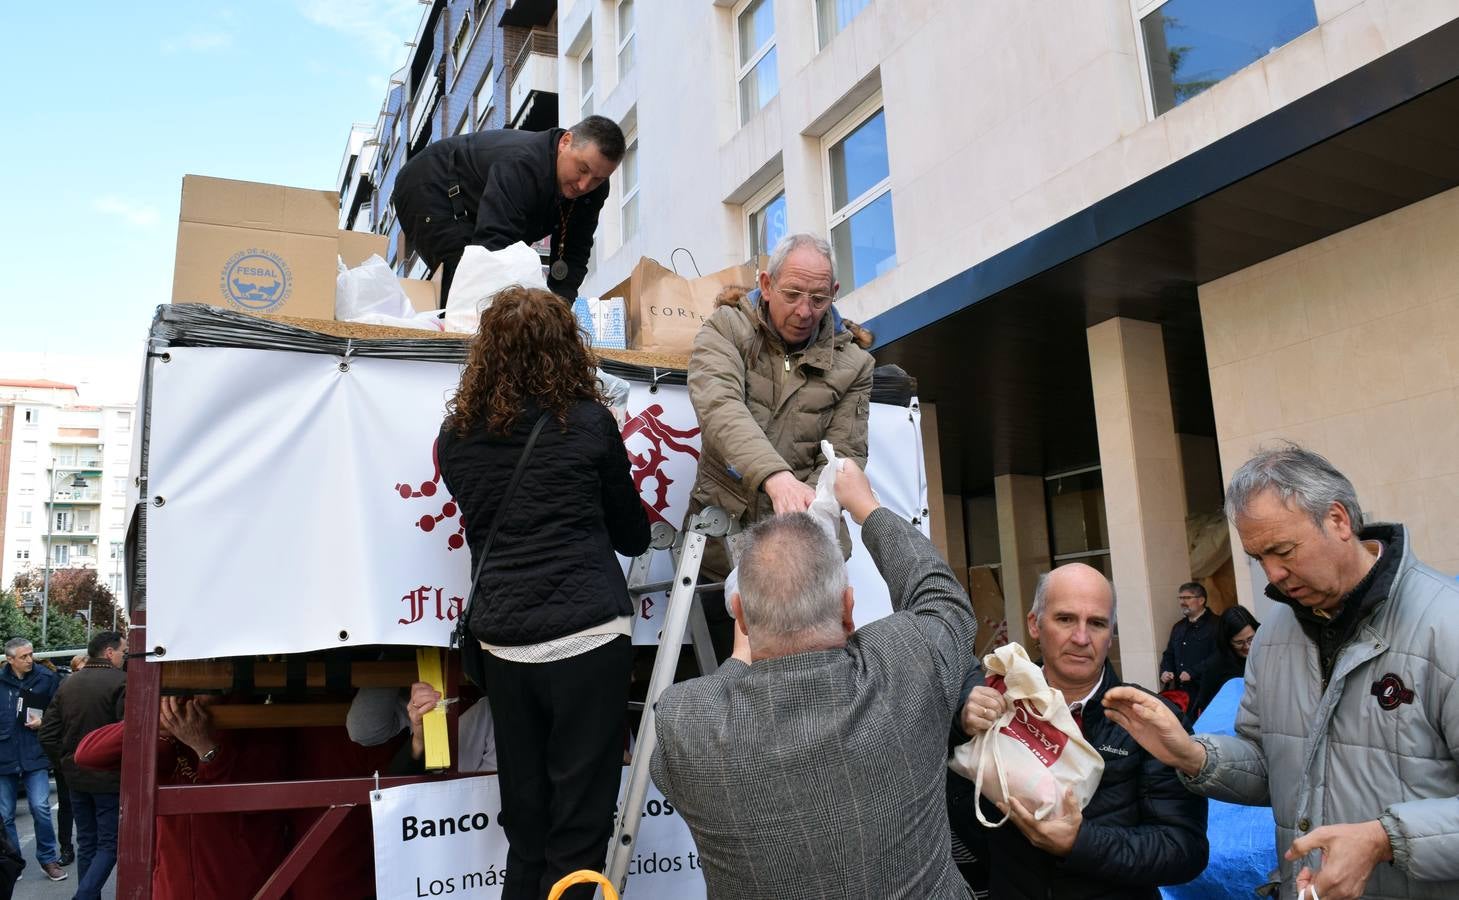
(551,607)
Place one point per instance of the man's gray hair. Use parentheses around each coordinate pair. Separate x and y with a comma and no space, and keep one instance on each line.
(792,579)
(1041,599)
(1299,476)
(792,242)
(14,645)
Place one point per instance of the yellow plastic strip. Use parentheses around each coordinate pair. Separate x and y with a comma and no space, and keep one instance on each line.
(433,724)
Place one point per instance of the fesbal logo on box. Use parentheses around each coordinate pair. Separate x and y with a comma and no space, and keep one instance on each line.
(257,280)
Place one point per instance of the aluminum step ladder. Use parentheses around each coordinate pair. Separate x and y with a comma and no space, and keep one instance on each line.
(684,612)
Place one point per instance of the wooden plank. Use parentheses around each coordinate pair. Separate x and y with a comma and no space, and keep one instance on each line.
(217,674)
(278,715)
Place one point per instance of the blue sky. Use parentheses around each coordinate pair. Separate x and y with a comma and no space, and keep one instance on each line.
(112,103)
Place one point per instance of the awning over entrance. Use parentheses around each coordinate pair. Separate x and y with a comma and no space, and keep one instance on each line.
(1001,346)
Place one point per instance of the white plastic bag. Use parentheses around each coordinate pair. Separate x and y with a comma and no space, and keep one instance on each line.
(1035,749)
(825,509)
(426,321)
(369,289)
(616,390)
(480,274)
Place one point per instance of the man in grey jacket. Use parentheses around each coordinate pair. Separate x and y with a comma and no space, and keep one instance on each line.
(1349,726)
(817,768)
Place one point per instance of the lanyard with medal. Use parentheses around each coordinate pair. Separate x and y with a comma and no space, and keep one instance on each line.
(558,270)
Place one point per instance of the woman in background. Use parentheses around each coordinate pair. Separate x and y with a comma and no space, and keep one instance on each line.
(1235,629)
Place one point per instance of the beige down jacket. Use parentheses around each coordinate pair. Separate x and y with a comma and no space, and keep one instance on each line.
(1380,742)
(764,409)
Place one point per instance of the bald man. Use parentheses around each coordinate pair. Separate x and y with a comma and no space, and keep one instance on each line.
(1140,829)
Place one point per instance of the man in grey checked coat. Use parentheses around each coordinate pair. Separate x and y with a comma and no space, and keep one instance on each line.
(813,763)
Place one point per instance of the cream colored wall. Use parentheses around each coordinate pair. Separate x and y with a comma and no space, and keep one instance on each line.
(1002,118)
(1350,346)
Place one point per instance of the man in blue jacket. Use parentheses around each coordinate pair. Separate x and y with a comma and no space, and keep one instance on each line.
(25,691)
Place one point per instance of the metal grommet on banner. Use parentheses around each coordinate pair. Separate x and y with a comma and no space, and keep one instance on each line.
(165,357)
(349,349)
(376,795)
(158,501)
(653,387)
(344,635)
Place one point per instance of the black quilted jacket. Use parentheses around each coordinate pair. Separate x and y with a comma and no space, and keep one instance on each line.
(552,569)
(1142,828)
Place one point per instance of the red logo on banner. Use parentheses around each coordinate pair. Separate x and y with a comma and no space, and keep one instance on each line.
(661,437)
(449,510)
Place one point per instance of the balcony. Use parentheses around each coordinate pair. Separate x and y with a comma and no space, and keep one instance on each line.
(532,95)
(76,463)
(84,495)
(527,13)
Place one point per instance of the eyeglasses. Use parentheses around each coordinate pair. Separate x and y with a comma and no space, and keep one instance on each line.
(818,301)
(1242,645)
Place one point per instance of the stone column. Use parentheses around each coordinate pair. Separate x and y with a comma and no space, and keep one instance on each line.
(1144,494)
(1023,542)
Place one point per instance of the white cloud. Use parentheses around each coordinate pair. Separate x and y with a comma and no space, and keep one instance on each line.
(139,214)
(197,42)
(381,26)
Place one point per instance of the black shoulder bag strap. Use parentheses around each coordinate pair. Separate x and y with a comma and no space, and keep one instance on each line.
(460,634)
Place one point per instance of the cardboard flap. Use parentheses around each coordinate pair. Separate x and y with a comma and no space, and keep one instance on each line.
(267,207)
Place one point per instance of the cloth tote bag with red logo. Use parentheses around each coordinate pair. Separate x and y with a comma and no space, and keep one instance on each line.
(1035,751)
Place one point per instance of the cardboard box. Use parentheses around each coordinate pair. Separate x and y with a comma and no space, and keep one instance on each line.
(424,296)
(257,247)
(357,246)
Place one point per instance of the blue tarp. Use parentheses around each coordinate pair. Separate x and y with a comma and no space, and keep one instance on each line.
(1243,838)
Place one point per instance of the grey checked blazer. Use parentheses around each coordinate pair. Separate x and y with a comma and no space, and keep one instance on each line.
(822,774)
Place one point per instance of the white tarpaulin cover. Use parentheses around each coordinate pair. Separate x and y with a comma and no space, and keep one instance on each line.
(294,502)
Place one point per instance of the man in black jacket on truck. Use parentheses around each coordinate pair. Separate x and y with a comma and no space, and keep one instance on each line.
(494,188)
(1141,828)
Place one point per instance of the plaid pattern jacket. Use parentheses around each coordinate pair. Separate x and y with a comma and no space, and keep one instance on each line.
(821,774)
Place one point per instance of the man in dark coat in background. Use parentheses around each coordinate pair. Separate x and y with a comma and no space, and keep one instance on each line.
(495,188)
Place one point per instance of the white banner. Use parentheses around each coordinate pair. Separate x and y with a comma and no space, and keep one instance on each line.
(296,506)
(444,838)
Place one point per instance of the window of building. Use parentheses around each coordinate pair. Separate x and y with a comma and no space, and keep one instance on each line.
(60,554)
(1190,45)
(484,96)
(765,219)
(626,31)
(758,77)
(124,419)
(465,124)
(458,44)
(832,16)
(25,483)
(860,222)
(585,81)
(629,174)
(483,12)
(25,517)
(32,416)
(116,549)
(119,484)
(29,450)
(22,555)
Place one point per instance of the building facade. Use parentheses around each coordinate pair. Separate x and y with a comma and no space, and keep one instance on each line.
(1120,243)
(63,481)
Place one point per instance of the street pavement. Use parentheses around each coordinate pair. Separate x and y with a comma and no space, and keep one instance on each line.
(34,885)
